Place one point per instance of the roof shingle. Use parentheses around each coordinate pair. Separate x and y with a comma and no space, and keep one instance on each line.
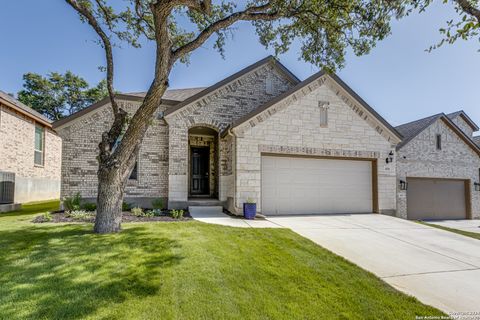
(23,107)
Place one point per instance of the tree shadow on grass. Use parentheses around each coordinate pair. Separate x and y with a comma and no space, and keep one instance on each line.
(69,272)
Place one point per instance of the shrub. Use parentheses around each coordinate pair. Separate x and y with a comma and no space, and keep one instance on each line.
(47,216)
(149,214)
(157,203)
(44,217)
(79,215)
(72,203)
(89,206)
(137,212)
(157,212)
(126,206)
(176,214)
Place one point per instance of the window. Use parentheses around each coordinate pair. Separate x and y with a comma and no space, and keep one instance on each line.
(323,113)
(439,141)
(134,173)
(39,146)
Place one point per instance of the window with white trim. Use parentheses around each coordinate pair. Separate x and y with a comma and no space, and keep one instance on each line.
(39,146)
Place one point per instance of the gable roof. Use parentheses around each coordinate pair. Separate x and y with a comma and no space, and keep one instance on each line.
(465,117)
(305,83)
(13,103)
(178,98)
(170,97)
(232,78)
(412,129)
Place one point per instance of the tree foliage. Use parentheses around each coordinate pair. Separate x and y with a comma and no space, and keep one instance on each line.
(325,30)
(58,95)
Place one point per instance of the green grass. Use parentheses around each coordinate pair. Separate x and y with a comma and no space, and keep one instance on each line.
(182,270)
(462,232)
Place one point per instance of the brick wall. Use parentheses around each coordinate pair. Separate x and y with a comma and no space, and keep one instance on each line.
(420,158)
(17,142)
(80,149)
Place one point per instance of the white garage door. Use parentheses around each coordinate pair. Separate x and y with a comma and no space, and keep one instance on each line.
(315,186)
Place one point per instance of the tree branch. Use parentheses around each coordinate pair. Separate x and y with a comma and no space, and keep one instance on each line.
(92,21)
(469,8)
(249,14)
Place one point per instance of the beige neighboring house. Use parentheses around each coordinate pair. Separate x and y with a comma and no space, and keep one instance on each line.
(30,154)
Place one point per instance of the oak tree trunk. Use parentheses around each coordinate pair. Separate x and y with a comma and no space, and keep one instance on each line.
(109,200)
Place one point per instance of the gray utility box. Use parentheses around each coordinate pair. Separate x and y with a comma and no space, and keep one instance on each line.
(7,187)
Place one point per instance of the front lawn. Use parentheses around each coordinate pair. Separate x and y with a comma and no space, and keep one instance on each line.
(182,270)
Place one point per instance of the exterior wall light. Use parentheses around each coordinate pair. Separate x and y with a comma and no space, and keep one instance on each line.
(389,158)
(477,186)
(403,185)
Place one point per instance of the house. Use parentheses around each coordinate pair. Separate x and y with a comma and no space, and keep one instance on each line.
(293,147)
(439,166)
(30,157)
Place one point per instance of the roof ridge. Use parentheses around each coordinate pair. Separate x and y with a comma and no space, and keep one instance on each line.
(418,120)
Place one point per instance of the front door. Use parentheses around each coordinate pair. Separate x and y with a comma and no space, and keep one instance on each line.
(200,171)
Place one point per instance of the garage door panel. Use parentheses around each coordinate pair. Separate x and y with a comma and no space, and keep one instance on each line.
(436,199)
(315,186)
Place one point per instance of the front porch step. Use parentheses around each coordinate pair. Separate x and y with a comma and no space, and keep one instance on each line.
(200,211)
(205,203)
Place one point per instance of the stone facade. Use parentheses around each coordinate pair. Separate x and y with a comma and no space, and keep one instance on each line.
(463,125)
(17,142)
(420,158)
(217,111)
(293,127)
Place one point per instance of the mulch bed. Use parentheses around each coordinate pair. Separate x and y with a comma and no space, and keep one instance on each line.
(62,217)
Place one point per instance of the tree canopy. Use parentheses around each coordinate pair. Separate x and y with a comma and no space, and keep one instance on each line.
(325,30)
(58,95)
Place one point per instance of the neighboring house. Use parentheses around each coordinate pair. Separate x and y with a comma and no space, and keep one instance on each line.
(438,164)
(293,147)
(30,150)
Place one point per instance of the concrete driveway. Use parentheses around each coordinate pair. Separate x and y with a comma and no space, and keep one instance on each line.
(438,267)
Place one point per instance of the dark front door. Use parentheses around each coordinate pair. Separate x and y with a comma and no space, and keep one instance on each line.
(200,171)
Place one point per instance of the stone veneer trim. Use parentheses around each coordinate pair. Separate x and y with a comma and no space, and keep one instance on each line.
(342,90)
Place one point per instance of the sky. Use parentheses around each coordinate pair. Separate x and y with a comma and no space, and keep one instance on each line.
(398,78)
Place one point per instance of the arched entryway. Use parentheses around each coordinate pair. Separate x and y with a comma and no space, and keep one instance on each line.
(203,162)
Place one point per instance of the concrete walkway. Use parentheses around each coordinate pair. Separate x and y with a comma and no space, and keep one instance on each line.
(215,217)
(440,268)
(465,225)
